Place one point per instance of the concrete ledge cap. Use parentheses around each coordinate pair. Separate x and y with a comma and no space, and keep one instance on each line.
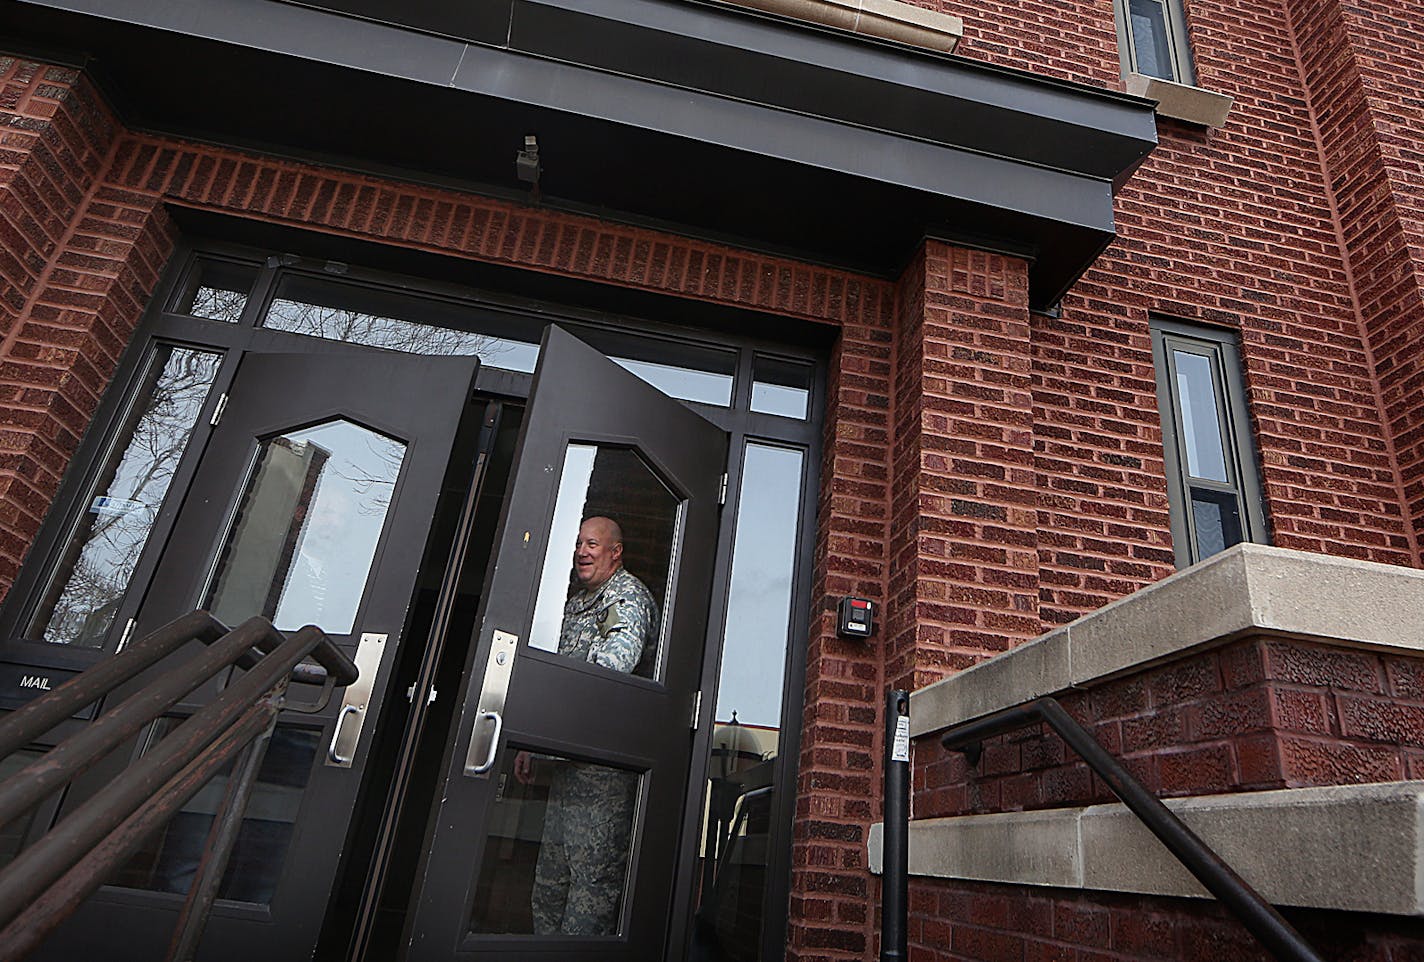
(1181,101)
(883,19)
(1248,589)
(1355,848)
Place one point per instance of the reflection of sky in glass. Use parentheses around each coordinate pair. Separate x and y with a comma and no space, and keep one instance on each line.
(322,572)
(113,531)
(395,334)
(708,387)
(1201,427)
(790,402)
(759,599)
(559,555)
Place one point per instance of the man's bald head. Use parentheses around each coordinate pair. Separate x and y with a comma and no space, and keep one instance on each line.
(599,552)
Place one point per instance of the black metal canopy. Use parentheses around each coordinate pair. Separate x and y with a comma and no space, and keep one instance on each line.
(700,118)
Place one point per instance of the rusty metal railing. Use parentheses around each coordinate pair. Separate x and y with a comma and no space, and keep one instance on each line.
(48,880)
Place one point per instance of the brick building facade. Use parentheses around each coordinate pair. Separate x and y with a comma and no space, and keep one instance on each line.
(991,466)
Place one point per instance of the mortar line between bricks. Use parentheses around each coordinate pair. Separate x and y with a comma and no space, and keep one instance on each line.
(1332,200)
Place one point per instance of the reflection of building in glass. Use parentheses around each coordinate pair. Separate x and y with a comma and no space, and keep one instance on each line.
(735,839)
(257,565)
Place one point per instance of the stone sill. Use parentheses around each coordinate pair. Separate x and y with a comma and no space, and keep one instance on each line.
(882,19)
(1181,101)
(1246,590)
(1354,848)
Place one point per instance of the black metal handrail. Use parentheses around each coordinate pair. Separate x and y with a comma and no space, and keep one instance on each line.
(48,880)
(1258,915)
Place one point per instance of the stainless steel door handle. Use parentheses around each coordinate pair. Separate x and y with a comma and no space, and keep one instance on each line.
(332,755)
(493,691)
(488,763)
(355,700)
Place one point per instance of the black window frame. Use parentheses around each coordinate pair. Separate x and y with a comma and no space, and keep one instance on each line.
(1177,39)
(1242,462)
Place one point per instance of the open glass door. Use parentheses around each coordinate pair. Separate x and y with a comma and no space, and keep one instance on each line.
(311,504)
(556,833)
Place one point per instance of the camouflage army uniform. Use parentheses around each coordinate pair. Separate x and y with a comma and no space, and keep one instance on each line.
(578,879)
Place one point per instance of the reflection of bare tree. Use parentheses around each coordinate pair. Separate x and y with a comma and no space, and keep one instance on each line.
(105,547)
(392,333)
(216,304)
(374,481)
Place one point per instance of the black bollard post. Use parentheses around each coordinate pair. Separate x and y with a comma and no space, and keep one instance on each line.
(895,863)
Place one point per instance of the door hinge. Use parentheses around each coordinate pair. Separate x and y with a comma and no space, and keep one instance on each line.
(722,491)
(218,411)
(696,708)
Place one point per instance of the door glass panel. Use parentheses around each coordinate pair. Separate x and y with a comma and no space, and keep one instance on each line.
(168,860)
(610,561)
(747,729)
(781,387)
(1201,424)
(85,591)
(306,530)
(556,857)
(397,322)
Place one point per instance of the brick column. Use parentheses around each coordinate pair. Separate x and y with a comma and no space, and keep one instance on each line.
(1362,72)
(831,889)
(72,292)
(964,532)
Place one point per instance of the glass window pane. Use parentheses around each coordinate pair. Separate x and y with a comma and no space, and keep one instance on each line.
(688,372)
(385,319)
(781,387)
(1217,519)
(1151,42)
(684,383)
(746,739)
(556,858)
(168,861)
(216,290)
(1201,421)
(609,561)
(305,534)
(89,583)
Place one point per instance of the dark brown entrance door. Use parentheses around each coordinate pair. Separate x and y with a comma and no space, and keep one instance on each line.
(557,826)
(311,504)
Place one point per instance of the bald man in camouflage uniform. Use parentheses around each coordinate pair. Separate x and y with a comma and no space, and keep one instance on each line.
(610,621)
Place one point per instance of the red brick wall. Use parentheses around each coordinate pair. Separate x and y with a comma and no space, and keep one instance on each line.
(964,525)
(979,922)
(1363,67)
(1232,227)
(77,262)
(1254,715)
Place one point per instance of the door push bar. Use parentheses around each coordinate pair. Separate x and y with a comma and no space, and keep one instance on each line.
(493,693)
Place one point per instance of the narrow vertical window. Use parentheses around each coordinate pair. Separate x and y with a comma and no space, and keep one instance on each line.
(1152,39)
(1212,480)
(86,587)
